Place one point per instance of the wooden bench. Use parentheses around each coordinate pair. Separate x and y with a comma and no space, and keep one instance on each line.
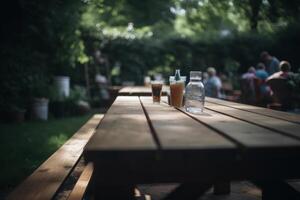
(45,182)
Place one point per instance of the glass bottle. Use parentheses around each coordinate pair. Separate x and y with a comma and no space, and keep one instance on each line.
(195,93)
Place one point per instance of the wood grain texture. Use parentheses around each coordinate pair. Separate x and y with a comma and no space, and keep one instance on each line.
(259,110)
(82,184)
(246,134)
(125,150)
(140,91)
(123,144)
(126,91)
(276,125)
(263,153)
(177,131)
(124,127)
(46,180)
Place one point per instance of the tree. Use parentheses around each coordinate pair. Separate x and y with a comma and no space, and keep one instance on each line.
(141,13)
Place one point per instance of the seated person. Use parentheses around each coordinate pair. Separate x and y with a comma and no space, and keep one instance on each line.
(249,74)
(285,71)
(261,72)
(213,84)
(282,89)
(262,75)
(247,86)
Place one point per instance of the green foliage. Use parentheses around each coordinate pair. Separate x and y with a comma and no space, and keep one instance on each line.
(26,146)
(136,56)
(141,13)
(52,37)
(78,93)
(40,39)
(232,55)
(67,106)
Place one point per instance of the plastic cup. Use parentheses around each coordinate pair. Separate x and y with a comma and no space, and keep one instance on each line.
(176,92)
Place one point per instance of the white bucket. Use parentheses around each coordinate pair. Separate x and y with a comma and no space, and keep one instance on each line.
(40,109)
(62,84)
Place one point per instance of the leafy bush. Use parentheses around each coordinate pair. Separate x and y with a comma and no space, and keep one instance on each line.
(71,105)
(231,55)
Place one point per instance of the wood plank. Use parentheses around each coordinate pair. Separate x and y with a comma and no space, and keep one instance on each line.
(141,91)
(46,180)
(122,145)
(124,127)
(263,153)
(277,125)
(82,184)
(190,151)
(177,131)
(259,110)
(246,134)
(125,150)
(126,91)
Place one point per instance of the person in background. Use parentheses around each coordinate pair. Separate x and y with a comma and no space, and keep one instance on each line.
(250,74)
(213,84)
(247,86)
(261,72)
(285,71)
(262,75)
(204,77)
(271,62)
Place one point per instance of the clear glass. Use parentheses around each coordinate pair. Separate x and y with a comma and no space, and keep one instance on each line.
(156,87)
(195,93)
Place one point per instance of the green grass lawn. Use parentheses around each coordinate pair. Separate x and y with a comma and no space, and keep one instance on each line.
(23,147)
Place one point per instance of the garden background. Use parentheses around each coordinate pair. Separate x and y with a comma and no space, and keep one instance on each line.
(124,40)
(128,39)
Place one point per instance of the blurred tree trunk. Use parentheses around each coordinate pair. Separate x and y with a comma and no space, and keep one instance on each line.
(87,79)
(252,10)
(255,6)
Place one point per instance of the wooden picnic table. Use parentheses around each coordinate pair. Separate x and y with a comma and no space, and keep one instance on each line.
(140,142)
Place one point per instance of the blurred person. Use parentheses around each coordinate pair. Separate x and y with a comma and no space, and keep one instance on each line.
(271,62)
(204,77)
(250,74)
(285,71)
(282,87)
(247,86)
(213,84)
(262,75)
(261,72)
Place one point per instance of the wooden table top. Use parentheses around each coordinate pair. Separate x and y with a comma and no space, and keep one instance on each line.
(142,142)
(141,91)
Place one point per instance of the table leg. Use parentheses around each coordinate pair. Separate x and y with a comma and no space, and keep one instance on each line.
(113,192)
(277,190)
(222,187)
